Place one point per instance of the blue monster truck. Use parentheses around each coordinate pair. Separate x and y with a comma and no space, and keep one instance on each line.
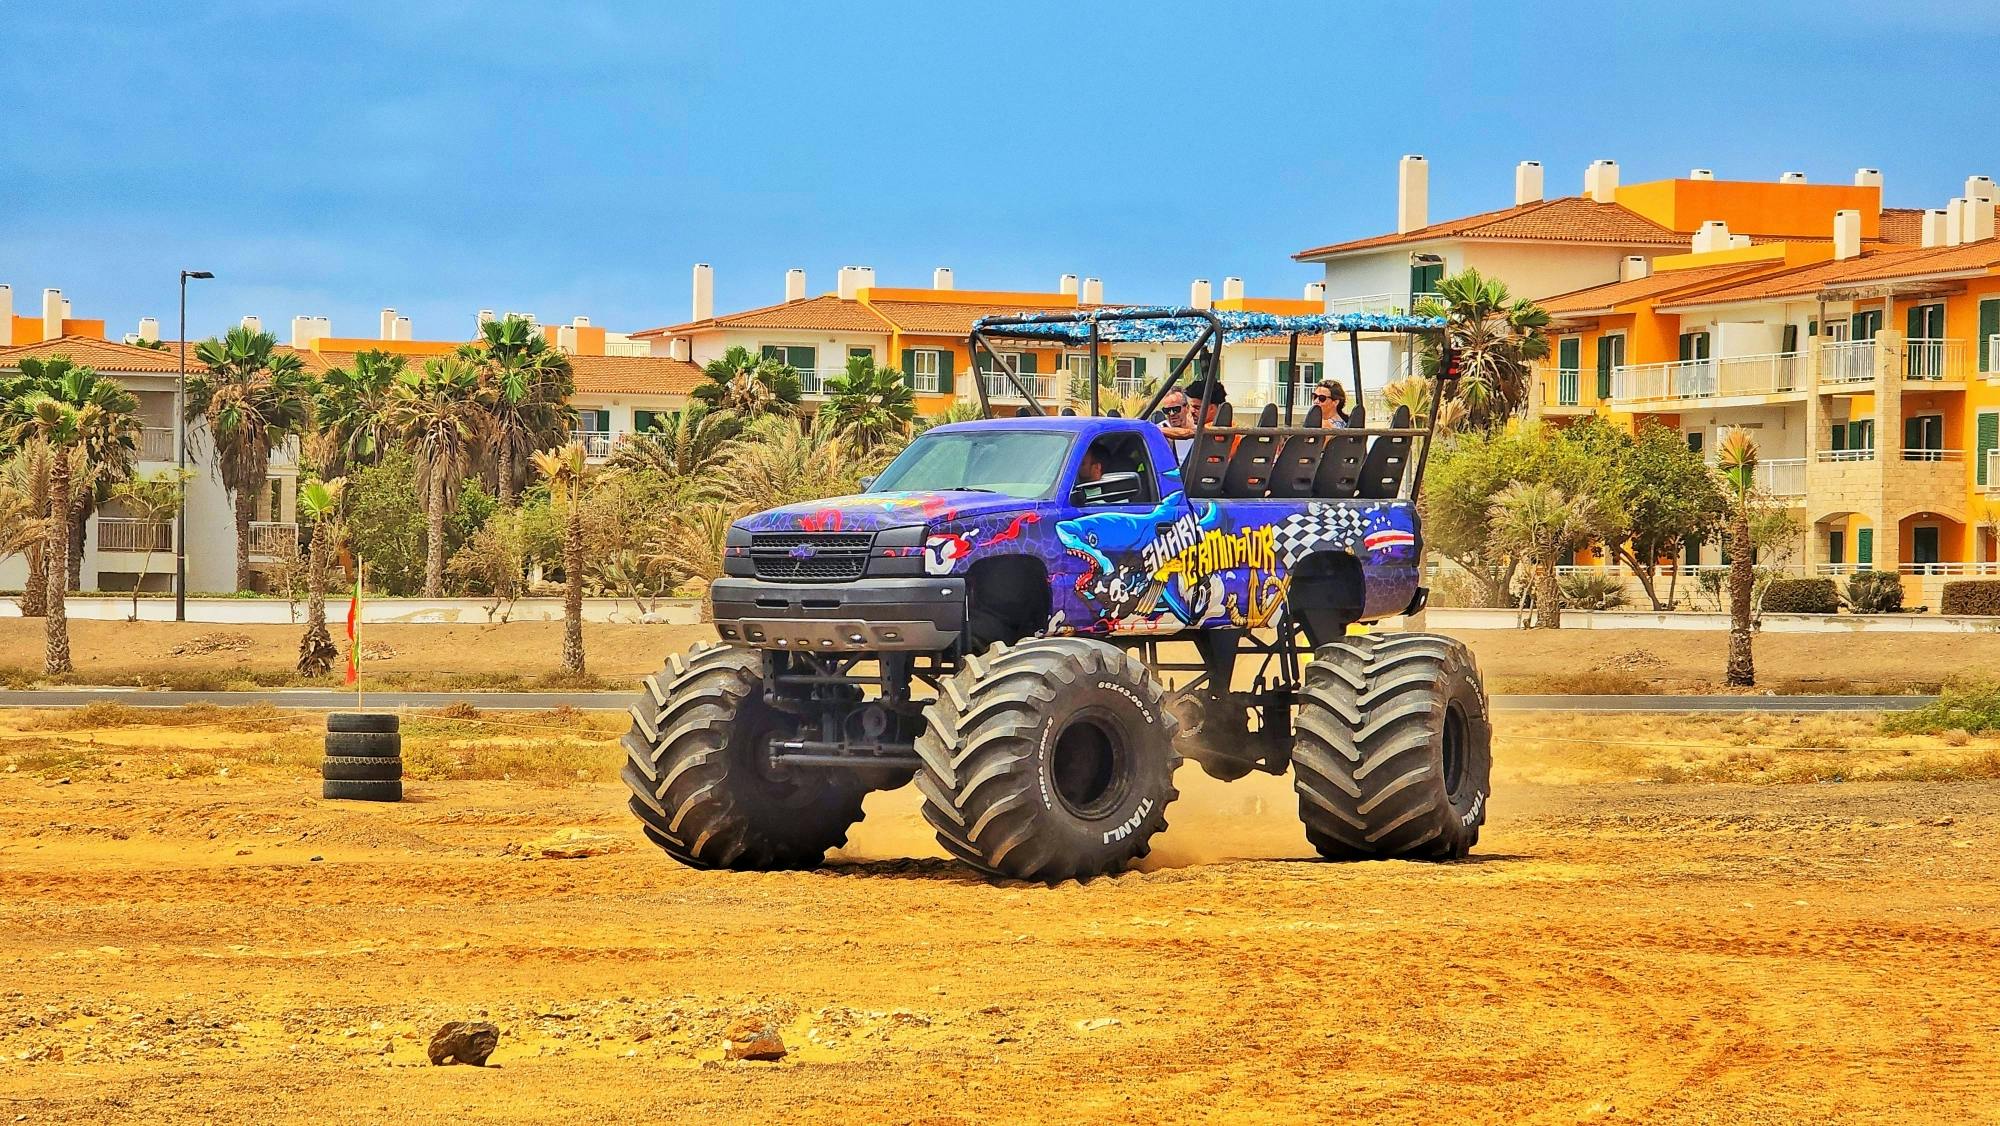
(993,616)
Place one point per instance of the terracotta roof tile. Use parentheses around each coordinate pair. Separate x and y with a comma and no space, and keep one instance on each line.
(943,318)
(1567,219)
(825,312)
(635,375)
(1613,294)
(1870,267)
(104,355)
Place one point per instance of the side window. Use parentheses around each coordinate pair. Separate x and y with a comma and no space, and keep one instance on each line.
(1119,453)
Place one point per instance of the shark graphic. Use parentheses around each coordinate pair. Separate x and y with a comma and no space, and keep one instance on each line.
(1101,537)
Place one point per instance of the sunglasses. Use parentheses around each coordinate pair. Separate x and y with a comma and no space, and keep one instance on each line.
(1322,397)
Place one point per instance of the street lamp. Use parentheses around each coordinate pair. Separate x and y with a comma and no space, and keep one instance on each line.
(181,458)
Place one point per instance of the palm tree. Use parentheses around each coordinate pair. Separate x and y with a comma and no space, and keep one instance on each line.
(1415,393)
(439,414)
(969,412)
(570,476)
(1495,335)
(43,417)
(21,529)
(1736,457)
(779,463)
(155,500)
(319,505)
(1541,522)
(106,447)
(750,386)
(28,475)
(869,405)
(688,445)
(528,385)
(253,399)
(352,404)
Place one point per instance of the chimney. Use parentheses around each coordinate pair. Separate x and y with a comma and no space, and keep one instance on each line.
(402,328)
(1315,291)
(1600,181)
(1713,234)
(1979,187)
(795,285)
(1413,194)
(1868,177)
(1701,173)
(566,340)
(1633,268)
(1198,296)
(388,324)
(481,319)
(579,322)
(1846,234)
(849,282)
(1792,178)
(704,292)
(1067,284)
(301,332)
(1093,291)
(1954,222)
(1933,228)
(1232,289)
(322,327)
(253,323)
(1977,226)
(677,348)
(6,316)
(52,313)
(864,277)
(941,278)
(68,311)
(1527,182)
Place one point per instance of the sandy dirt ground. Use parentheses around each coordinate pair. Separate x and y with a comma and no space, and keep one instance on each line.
(189,944)
(469,657)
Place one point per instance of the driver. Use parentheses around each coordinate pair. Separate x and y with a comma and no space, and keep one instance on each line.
(1092,467)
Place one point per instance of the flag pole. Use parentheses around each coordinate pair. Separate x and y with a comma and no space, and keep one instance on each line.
(360,573)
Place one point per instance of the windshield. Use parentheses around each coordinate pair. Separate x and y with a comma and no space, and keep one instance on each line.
(1019,463)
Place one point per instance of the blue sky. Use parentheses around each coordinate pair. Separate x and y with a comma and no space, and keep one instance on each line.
(442,157)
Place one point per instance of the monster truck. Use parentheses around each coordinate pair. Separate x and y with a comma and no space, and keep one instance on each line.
(993,617)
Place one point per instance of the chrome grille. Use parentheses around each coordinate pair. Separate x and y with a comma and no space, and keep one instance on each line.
(810,557)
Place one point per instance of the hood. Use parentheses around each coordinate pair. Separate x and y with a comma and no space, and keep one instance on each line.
(871,511)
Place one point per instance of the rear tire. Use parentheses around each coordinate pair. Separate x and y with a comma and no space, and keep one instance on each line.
(701,783)
(1048,760)
(1393,751)
(358,790)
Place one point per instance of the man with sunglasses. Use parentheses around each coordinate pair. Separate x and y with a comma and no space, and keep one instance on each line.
(1176,419)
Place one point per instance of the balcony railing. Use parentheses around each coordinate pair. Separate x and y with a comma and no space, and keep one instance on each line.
(998,386)
(1992,365)
(1992,484)
(1864,454)
(1933,360)
(1770,373)
(1781,476)
(156,443)
(1847,361)
(115,533)
(274,540)
(1919,453)
(596,443)
(1128,386)
(1397,302)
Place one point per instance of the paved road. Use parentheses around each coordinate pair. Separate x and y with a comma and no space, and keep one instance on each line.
(317,699)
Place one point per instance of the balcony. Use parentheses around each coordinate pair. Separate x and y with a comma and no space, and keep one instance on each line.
(1934,360)
(156,443)
(1923,454)
(273,540)
(1847,361)
(1991,367)
(1844,456)
(1398,302)
(812,381)
(998,386)
(1781,476)
(1992,484)
(115,533)
(1682,381)
(1126,386)
(596,443)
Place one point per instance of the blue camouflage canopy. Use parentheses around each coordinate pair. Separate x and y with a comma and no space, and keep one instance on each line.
(1169,323)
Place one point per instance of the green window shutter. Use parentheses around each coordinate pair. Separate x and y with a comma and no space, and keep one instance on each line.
(944,372)
(1030,363)
(1988,437)
(804,359)
(1836,547)
(642,421)
(772,352)
(1139,367)
(909,360)
(1864,546)
(1989,323)
(1790,342)
(910,372)
(1839,436)
(1569,353)
(1854,437)
(1812,326)
(1913,322)
(1606,360)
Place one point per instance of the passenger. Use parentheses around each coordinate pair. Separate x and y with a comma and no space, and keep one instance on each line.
(1220,396)
(1177,423)
(1331,399)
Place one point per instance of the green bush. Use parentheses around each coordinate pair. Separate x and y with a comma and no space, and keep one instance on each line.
(1875,592)
(1801,596)
(1588,590)
(1971,596)
(1973,707)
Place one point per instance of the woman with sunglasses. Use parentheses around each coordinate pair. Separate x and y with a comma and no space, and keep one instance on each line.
(1331,399)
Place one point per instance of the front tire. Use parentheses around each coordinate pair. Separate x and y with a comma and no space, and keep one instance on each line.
(1048,760)
(702,786)
(1393,754)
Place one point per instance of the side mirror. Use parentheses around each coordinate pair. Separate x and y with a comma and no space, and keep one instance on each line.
(1112,488)
(868,482)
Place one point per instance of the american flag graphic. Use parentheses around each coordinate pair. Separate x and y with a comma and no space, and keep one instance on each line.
(1388,538)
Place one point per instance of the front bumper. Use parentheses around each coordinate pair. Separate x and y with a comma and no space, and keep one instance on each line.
(867,615)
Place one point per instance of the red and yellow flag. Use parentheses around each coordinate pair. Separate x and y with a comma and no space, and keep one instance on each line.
(354,631)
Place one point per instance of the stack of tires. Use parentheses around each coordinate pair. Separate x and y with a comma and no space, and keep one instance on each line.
(364,757)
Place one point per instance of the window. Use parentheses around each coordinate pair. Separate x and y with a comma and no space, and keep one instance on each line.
(1923,437)
(1425,278)
(1834,331)
(1124,453)
(1924,544)
(1788,340)
(1864,547)
(1989,327)
(924,368)
(1127,367)
(1986,436)
(805,361)
(1925,322)
(1694,345)
(1694,440)
(592,420)
(1019,463)
(861,353)
(644,421)
(1864,325)
(1610,355)
(1569,362)
(1836,547)
(1923,345)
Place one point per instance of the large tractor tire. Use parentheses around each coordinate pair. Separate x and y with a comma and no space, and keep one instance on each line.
(1393,749)
(1048,760)
(701,780)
